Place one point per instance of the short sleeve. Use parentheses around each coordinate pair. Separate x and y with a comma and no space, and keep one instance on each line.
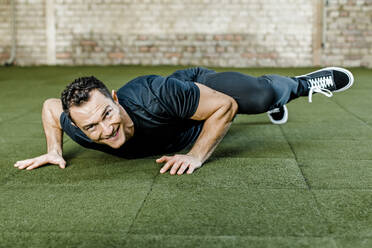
(74,132)
(194,74)
(181,98)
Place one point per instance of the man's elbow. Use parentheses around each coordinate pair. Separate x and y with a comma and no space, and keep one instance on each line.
(234,107)
(231,108)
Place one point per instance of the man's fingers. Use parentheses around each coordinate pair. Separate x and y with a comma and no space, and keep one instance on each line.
(25,164)
(183,168)
(33,166)
(28,165)
(166,166)
(62,165)
(175,167)
(163,159)
(191,169)
(22,162)
(49,158)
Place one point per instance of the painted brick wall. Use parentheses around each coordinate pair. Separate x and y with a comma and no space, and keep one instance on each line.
(233,33)
(236,33)
(30,35)
(5,35)
(349,33)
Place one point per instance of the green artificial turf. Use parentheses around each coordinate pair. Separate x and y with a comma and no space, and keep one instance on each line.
(307,183)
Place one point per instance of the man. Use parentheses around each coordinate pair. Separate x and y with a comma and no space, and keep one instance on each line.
(151,114)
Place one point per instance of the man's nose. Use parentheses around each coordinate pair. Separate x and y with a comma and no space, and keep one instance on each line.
(106,129)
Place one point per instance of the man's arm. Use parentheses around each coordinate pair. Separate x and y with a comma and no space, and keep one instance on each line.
(52,109)
(218,111)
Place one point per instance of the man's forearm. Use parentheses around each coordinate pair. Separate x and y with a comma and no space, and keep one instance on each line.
(52,109)
(217,110)
(213,131)
(54,140)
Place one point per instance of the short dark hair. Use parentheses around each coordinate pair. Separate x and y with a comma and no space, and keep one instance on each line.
(78,91)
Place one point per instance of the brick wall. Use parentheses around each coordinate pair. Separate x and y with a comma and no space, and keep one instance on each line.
(30,34)
(348,33)
(236,33)
(5,34)
(168,32)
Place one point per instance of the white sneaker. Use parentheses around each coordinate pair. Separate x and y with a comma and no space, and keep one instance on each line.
(278,115)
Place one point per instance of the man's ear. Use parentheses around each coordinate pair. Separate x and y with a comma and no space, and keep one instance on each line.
(114,96)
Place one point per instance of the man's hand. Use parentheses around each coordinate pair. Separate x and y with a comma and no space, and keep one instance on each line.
(49,158)
(180,163)
(51,112)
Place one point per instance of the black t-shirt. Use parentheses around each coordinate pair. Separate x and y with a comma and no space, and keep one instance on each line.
(160,108)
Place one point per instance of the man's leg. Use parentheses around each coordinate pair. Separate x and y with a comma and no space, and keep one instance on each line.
(259,95)
(286,89)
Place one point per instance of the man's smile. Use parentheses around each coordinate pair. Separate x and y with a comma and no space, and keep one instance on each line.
(115,135)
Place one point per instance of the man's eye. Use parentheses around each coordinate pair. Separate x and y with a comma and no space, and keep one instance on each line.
(90,127)
(108,113)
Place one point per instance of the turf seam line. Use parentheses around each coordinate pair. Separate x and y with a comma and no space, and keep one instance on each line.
(180,235)
(353,114)
(317,204)
(142,204)
(26,186)
(295,157)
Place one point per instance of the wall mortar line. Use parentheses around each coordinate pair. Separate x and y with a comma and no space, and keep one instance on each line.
(317,31)
(50,32)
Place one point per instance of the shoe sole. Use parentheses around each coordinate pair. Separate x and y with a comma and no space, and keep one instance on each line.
(347,72)
(283,120)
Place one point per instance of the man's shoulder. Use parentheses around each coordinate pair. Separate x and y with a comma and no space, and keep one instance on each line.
(138,82)
(144,86)
(145,90)
(140,91)
(135,86)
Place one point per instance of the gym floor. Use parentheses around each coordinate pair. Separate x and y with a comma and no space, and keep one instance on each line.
(307,183)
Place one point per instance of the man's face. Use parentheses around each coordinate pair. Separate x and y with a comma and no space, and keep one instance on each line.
(101,119)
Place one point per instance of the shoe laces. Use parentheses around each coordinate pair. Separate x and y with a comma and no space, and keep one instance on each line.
(320,85)
(276,110)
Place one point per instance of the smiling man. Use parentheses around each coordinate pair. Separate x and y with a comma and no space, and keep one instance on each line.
(152,115)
